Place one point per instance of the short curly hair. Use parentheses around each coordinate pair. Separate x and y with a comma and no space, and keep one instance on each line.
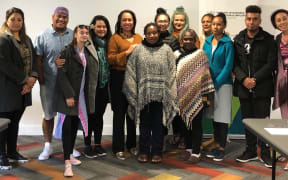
(273,15)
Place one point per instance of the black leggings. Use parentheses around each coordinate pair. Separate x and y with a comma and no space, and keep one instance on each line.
(9,136)
(220,133)
(193,137)
(69,133)
(95,120)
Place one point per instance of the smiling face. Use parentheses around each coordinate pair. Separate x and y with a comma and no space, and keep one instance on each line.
(179,22)
(281,21)
(60,21)
(151,34)
(100,28)
(15,22)
(127,22)
(162,22)
(206,24)
(218,26)
(81,35)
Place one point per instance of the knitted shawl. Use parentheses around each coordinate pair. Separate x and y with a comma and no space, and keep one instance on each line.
(193,81)
(150,77)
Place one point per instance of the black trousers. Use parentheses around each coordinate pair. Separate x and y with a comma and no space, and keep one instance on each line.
(9,136)
(119,106)
(95,120)
(220,133)
(151,129)
(193,137)
(178,126)
(69,133)
(255,108)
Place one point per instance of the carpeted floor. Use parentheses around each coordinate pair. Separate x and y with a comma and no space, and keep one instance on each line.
(109,168)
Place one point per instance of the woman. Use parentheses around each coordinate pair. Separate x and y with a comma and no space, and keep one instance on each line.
(279,20)
(220,52)
(76,89)
(17,77)
(194,83)
(162,20)
(100,32)
(206,22)
(179,23)
(150,88)
(121,45)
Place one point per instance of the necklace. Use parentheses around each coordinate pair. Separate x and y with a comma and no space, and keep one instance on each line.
(126,35)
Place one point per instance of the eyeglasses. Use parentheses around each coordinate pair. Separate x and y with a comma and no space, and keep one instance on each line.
(82,26)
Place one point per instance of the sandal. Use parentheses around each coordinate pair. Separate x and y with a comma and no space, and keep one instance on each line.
(68,170)
(156,159)
(142,158)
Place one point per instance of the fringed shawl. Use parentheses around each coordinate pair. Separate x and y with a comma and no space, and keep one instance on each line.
(150,77)
(193,81)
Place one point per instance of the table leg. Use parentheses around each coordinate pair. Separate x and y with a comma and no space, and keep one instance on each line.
(273,164)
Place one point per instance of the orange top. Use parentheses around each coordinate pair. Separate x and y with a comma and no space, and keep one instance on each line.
(117,47)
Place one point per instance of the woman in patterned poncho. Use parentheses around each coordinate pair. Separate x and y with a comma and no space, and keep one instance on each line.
(194,83)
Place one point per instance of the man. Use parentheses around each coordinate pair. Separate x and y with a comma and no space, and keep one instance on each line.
(48,45)
(255,62)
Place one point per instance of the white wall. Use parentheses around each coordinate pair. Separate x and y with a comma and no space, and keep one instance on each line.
(38,17)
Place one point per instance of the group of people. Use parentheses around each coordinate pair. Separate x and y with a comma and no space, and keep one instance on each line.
(172,76)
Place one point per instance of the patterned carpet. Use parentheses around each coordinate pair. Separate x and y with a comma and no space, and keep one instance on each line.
(109,168)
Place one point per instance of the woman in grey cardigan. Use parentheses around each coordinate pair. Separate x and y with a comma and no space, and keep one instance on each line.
(150,88)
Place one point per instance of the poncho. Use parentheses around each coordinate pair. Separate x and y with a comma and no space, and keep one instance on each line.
(193,82)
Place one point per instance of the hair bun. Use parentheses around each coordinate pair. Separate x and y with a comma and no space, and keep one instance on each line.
(160,10)
(180,9)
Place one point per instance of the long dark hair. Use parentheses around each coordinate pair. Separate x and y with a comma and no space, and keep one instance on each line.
(92,33)
(118,23)
(4,27)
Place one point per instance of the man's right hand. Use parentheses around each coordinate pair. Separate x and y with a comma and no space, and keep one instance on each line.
(59,62)
(249,83)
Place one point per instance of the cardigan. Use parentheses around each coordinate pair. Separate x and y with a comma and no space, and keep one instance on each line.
(150,77)
(221,61)
(117,47)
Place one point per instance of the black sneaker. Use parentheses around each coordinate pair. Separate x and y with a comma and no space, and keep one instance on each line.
(17,157)
(99,150)
(247,156)
(219,155)
(89,153)
(4,163)
(212,153)
(266,159)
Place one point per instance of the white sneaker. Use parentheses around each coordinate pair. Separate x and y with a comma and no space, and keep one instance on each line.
(46,153)
(76,153)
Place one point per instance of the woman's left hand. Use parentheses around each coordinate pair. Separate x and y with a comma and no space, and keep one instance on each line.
(31,81)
